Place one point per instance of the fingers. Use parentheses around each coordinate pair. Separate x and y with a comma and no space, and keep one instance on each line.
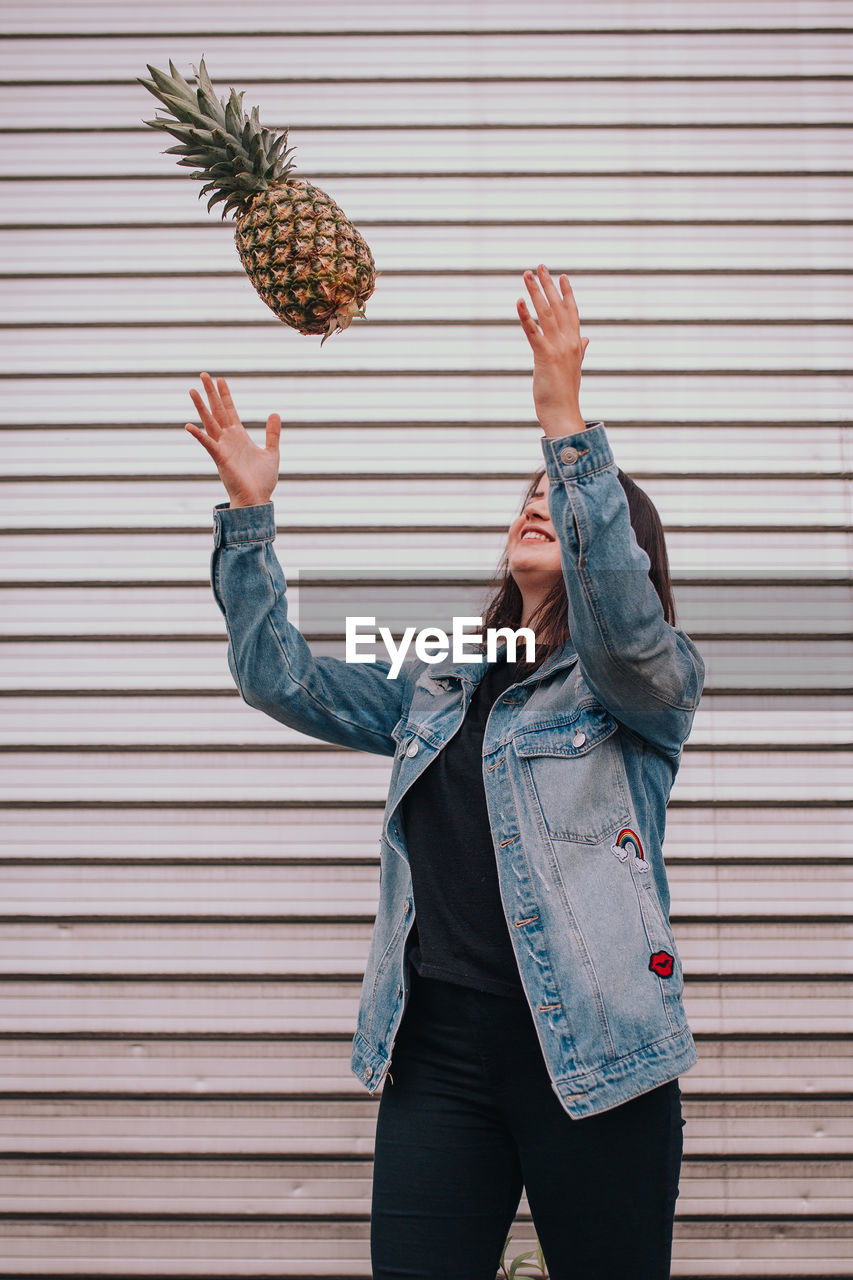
(558,315)
(208,421)
(540,302)
(221,412)
(227,402)
(203,438)
(547,301)
(529,325)
(213,396)
(547,282)
(273,432)
(569,301)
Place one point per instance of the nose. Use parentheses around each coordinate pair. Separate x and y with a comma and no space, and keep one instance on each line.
(536,509)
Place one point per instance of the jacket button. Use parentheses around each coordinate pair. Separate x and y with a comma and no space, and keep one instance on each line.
(368,1073)
(579,739)
(407,906)
(412,749)
(569,454)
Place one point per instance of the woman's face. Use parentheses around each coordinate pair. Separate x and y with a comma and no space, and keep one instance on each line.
(532,547)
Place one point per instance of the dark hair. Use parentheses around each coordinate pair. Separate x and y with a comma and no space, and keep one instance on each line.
(550,620)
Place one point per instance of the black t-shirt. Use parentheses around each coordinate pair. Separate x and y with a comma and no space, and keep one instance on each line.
(460,933)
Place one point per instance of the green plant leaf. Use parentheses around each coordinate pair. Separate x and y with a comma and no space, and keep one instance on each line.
(519,1261)
(503,1272)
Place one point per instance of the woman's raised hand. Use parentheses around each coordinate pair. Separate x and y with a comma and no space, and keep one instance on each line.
(558,351)
(249,473)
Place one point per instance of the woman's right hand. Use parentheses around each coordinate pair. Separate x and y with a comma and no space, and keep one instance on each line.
(249,473)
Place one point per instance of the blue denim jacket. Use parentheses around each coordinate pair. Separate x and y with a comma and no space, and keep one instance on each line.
(578,762)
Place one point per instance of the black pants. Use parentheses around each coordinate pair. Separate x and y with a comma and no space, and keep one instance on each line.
(471,1118)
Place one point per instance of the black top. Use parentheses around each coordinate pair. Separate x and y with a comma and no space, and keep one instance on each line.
(460,932)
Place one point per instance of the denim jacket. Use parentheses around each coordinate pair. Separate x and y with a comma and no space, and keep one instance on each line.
(578,762)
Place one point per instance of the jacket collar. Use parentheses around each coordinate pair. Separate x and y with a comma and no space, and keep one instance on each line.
(472,672)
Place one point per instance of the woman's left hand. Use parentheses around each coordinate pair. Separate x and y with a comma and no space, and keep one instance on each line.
(558,351)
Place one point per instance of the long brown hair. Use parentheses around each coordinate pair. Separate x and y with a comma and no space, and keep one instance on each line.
(550,621)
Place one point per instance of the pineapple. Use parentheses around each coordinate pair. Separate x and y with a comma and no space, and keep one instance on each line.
(303,256)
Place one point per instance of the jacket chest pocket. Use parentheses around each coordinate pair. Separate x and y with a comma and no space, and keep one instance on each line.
(575,776)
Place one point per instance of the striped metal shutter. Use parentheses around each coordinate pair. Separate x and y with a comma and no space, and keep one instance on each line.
(188,887)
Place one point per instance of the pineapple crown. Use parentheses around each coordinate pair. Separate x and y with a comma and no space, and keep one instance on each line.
(232,154)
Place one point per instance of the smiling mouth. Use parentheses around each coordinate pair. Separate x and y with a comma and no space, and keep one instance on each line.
(535,535)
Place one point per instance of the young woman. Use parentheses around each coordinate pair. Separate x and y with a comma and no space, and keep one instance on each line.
(522,1003)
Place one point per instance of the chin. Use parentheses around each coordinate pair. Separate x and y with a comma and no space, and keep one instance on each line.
(545,558)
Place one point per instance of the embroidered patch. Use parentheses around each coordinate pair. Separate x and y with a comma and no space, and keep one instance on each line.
(627,842)
(662,963)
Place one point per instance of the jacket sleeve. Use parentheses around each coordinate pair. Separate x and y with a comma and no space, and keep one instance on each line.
(349,704)
(647,673)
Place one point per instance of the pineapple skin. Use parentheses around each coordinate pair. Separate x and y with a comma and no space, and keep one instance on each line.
(305,258)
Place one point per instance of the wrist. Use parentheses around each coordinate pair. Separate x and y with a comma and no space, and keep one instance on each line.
(570,426)
(247,500)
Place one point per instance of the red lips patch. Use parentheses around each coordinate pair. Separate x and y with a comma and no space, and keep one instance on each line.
(662,964)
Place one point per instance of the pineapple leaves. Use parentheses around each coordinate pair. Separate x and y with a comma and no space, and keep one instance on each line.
(234,114)
(176,76)
(226,147)
(206,95)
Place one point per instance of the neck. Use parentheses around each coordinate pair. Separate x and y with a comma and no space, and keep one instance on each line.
(531,599)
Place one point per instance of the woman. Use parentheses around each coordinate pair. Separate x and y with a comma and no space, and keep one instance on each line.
(523,924)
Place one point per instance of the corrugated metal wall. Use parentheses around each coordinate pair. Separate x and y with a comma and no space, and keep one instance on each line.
(187,887)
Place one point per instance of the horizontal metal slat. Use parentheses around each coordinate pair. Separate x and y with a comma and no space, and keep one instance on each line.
(462,56)
(477,451)
(246,1128)
(182,1066)
(204,244)
(49,16)
(179,892)
(303,1189)
(783,503)
(750,1248)
(168,556)
(788,199)
(341,1249)
(140,153)
(186,665)
(296,104)
(321,602)
(213,723)
(289,1007)
(380,397)
(439,299)
(246,891)
(114,778)
(133,951)
(145,835)
(625,350)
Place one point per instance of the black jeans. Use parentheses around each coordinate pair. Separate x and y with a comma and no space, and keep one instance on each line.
(471,1117)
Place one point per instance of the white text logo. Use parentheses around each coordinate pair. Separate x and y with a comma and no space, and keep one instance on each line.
(432,644)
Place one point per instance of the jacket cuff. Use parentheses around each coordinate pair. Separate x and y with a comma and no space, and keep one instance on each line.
(577,455)
(234,525)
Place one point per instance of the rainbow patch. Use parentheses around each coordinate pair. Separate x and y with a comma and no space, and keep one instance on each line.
(627,842)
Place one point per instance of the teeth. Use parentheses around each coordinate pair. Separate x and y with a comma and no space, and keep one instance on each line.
(530,535)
